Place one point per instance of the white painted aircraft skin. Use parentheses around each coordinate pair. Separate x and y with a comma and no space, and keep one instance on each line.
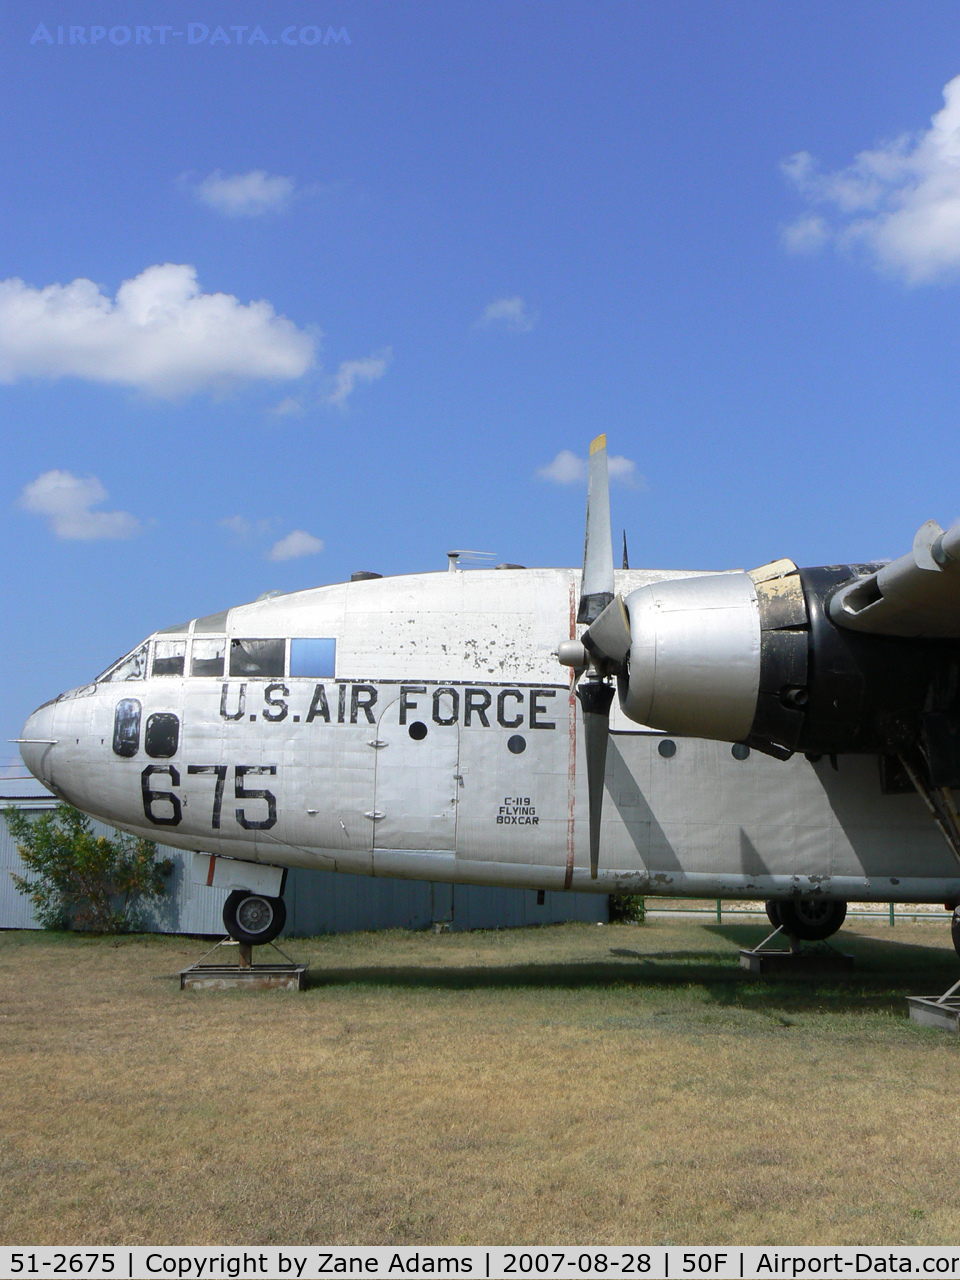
(322,771)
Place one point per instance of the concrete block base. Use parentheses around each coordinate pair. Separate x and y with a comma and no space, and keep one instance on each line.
(928,1012)
(794,961)
(254,977)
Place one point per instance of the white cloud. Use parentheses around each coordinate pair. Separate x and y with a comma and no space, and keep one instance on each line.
(622,469)
(66,499)
(290,406)
(900,201)
(246,194)
(806,235)
(244,529)
(567,468)
(160,334)
(512,313)
(353,371)
(239,526)
(294,545)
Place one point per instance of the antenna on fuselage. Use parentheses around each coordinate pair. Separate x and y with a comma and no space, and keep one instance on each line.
(473,557)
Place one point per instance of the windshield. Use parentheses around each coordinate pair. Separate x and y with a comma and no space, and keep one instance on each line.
(132,667)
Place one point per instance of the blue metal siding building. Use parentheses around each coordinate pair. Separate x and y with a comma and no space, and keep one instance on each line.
(317,901)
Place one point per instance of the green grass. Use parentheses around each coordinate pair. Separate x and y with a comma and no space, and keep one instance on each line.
(575,1084)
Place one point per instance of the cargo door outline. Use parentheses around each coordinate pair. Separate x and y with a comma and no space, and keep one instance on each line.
(416,779)
(514,800)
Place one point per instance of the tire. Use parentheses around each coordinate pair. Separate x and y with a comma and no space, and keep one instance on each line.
(253,917)
(773,912)
(811,919)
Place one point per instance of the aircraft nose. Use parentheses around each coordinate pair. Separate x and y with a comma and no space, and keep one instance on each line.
(37,741)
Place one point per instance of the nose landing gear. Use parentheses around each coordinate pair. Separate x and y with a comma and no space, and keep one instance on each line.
(253,918)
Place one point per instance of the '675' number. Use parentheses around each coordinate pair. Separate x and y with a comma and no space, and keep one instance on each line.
(170,810)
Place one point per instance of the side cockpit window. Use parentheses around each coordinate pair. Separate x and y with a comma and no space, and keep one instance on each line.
(132,667)
(206,658)
(313,657)
(168,657)
(126,727)
(162,736)
(258,658)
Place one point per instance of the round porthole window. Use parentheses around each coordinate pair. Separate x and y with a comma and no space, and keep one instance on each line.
(417,731)
(739,751)
(667,748)
(517,744)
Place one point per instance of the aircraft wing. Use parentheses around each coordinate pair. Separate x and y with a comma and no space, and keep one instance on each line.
(917,596)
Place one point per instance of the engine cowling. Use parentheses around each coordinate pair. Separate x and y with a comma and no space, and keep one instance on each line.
(694,663)
(756,658)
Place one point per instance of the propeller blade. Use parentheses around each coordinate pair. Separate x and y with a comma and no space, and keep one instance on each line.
(609,639)
(626,558)
(595,699)
(596,588)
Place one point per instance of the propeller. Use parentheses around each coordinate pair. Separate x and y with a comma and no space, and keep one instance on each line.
(596,587)
(604,646)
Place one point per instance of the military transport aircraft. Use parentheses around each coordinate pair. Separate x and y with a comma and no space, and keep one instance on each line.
(785,734)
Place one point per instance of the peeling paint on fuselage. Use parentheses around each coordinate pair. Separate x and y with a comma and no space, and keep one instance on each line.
(448,708)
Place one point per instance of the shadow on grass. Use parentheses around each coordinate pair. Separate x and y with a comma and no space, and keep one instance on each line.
(884,973)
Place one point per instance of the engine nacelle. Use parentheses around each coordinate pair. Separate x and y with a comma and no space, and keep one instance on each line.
(757,658)
(694,665)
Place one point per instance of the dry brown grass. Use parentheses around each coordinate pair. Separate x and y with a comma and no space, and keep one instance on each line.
(565,1085)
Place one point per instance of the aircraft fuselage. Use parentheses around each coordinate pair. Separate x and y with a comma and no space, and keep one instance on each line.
(422,727)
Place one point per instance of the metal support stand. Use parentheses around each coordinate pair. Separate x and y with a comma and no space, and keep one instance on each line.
(942,1013)
(244,975)
(940,804)
(817,956)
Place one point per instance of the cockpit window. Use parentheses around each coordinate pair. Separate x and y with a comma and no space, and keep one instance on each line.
(132,667)
(162,736)
(257,657)
(126,727)
(168,656)
(313,656)
(206,657)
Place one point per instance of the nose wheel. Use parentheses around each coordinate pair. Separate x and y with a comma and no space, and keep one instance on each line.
(253,917)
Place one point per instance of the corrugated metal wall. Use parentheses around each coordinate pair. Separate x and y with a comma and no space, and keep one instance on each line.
(322,901)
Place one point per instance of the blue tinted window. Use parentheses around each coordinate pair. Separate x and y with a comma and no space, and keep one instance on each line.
(313,657)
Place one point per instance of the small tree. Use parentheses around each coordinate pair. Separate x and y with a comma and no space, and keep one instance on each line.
(627,908)
(81,880)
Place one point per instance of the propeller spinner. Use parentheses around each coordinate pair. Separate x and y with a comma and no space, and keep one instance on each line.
(604,646)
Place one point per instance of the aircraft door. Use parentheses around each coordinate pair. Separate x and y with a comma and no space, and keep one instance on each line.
(517,763)
(417,768)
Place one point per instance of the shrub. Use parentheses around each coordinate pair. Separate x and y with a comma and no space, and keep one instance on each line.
(79,880)
(627,908)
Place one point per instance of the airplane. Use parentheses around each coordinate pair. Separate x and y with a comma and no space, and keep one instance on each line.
(790,735)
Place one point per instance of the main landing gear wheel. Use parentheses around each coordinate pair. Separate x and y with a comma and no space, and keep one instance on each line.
(253,917)
(773,912)
(811,919)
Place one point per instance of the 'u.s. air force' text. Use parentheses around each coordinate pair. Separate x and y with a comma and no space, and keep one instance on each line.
(470,706)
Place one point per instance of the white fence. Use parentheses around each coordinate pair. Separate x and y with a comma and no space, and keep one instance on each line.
(726,909)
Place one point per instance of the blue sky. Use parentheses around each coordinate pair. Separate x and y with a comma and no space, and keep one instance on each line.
(474,236)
